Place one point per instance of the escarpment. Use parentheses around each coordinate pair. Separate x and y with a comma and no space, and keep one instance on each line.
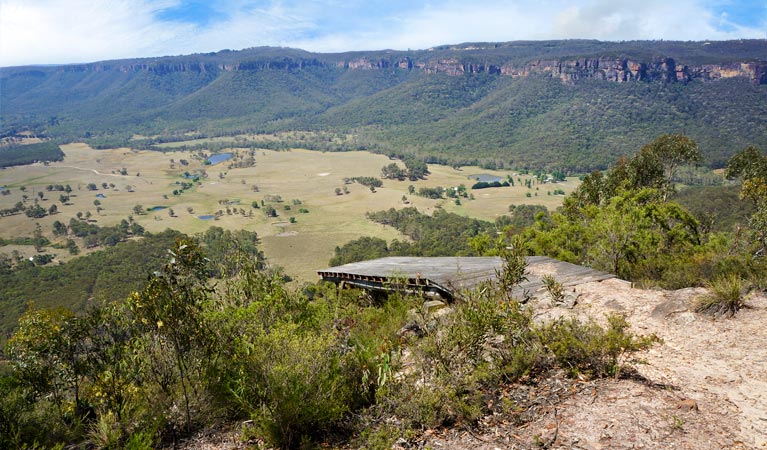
(568,70)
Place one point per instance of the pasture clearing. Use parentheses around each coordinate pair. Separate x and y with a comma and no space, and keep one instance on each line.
(148,178)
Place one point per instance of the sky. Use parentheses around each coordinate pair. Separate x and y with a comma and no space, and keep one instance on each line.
(76,31)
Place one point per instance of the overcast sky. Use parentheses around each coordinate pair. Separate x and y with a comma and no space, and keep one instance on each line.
(70,31)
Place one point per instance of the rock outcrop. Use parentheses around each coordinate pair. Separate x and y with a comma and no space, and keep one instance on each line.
(621,70)
(611,69)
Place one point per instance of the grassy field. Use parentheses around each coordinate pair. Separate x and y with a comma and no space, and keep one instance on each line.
(310,177)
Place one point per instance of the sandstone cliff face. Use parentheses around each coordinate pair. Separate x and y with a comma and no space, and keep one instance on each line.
(624,70)
(617,70)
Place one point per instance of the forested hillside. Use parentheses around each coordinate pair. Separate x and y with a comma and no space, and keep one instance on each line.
(579,103)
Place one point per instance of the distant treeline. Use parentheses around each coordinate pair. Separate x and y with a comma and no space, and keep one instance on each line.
(18,155)
(110,274)
(441,234)
(489,184)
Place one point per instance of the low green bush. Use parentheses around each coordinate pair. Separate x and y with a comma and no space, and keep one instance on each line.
(554,288)
(586,348)
(725,297)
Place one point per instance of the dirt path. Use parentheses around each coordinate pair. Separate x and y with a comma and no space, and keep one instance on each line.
(721,364)
(91,170)
(103,174)
(705,387)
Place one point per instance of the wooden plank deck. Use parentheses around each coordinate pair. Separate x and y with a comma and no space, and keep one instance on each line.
(447,276)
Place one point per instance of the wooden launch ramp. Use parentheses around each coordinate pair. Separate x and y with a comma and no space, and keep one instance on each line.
(447,277)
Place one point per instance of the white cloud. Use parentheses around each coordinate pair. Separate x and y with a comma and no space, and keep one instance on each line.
(62,31)
(556,19)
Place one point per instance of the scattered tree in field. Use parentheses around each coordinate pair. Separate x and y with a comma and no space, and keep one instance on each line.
(38,240)
(433,193)
(59,228)
(393,172)
(416,169)
(36,211)
(72,247)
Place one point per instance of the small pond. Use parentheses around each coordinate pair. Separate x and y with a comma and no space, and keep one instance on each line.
(101,196)
(157,208)
(206,217)
(219,157)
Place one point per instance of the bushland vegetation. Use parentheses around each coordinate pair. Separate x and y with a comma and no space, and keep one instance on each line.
(117,267)
(625,220)
(305,367)
(17,155)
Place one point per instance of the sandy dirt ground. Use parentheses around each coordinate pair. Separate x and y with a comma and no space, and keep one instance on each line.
(704,387)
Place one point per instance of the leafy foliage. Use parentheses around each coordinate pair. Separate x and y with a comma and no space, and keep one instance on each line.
(305,366)
(108,274)
(751,165)
(717,208)
(360,250)
(367,181)
(16,155)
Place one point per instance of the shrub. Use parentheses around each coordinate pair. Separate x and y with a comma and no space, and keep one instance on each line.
(589,349)
(554,288)
(105,432)
(307,385)
(725,297)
